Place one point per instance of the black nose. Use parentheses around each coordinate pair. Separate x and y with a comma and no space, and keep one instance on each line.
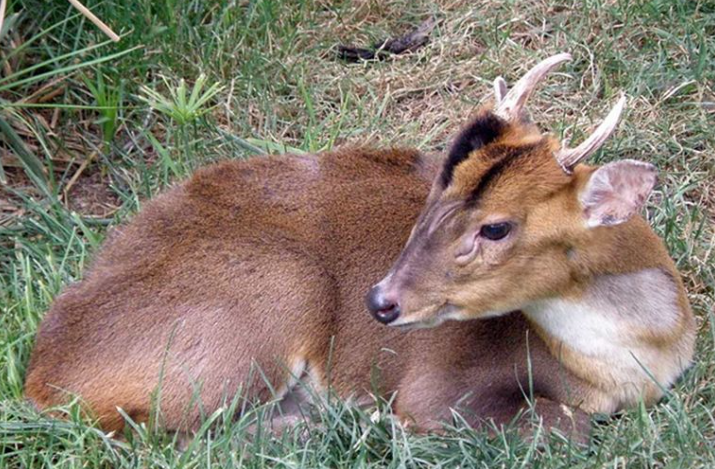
(382,308)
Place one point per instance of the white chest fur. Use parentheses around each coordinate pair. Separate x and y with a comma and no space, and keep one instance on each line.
(613,332)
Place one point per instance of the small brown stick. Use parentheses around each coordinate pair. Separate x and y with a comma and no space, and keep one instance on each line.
(60,165)
(383,49)
(43,90)
(55,118)
(97,22)
(51,95)
(76,175)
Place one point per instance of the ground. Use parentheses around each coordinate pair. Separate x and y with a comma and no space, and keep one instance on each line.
(91,129)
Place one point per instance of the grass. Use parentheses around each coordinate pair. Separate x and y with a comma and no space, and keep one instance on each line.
(91,129)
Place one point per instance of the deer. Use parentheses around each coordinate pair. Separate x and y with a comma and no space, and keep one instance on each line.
(503,277)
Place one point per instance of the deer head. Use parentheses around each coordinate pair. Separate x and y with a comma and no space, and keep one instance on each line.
(510,217)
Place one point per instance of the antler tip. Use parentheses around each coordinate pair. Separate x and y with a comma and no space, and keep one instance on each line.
(510,107)
(570,157)
(562,57)
(500,89)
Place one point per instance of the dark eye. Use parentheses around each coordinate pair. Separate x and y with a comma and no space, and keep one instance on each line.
(496,231)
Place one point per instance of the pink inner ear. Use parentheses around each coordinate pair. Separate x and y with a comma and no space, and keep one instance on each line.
(617,191)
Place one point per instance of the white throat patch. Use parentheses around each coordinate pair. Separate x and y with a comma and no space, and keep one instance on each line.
(612,329)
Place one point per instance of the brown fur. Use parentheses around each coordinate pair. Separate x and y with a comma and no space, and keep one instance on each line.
(549,254)
(266,262)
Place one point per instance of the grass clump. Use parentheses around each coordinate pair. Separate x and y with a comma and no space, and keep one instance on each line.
(91,129)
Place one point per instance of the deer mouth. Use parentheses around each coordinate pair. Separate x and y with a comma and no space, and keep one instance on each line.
(426,318)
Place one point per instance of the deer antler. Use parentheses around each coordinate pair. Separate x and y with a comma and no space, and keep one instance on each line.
(510,107)
(570,157)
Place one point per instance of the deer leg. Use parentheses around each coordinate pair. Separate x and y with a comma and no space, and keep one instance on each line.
(428,409)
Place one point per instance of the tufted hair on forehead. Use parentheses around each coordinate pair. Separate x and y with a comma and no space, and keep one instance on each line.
(481,131)
(490,151)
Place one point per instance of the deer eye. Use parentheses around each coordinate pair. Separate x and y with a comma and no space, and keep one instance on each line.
(496,231)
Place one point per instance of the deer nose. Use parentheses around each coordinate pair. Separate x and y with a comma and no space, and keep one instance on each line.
(383,309)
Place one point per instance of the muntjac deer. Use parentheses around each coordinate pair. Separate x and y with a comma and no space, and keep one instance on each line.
(267,262)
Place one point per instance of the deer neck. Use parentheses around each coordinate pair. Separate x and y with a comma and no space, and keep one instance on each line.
(629,334)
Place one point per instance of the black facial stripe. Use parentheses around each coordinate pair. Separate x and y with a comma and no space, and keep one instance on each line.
(496,170)
(480,132)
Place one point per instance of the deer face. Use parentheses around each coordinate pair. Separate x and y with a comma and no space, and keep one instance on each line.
(500,224)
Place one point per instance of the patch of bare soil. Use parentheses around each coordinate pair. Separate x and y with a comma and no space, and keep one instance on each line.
(90,195)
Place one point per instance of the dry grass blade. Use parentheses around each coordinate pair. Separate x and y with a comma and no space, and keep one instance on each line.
(76,175)
(93,18)
(271,65)
(3,5)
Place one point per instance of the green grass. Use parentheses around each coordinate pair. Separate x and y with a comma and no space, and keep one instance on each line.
(83,148)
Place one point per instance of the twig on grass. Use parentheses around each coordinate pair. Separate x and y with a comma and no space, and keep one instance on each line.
(97,22)
(76,175)
(3,4)
(40,95)
(383,49)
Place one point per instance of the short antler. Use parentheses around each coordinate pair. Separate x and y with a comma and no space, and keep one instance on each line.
(570,157)
(510,107)
(499,90)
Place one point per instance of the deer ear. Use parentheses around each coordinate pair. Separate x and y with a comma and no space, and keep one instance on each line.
(617,191)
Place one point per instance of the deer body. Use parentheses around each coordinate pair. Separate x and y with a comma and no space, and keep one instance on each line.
(265,264)
(207,281)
